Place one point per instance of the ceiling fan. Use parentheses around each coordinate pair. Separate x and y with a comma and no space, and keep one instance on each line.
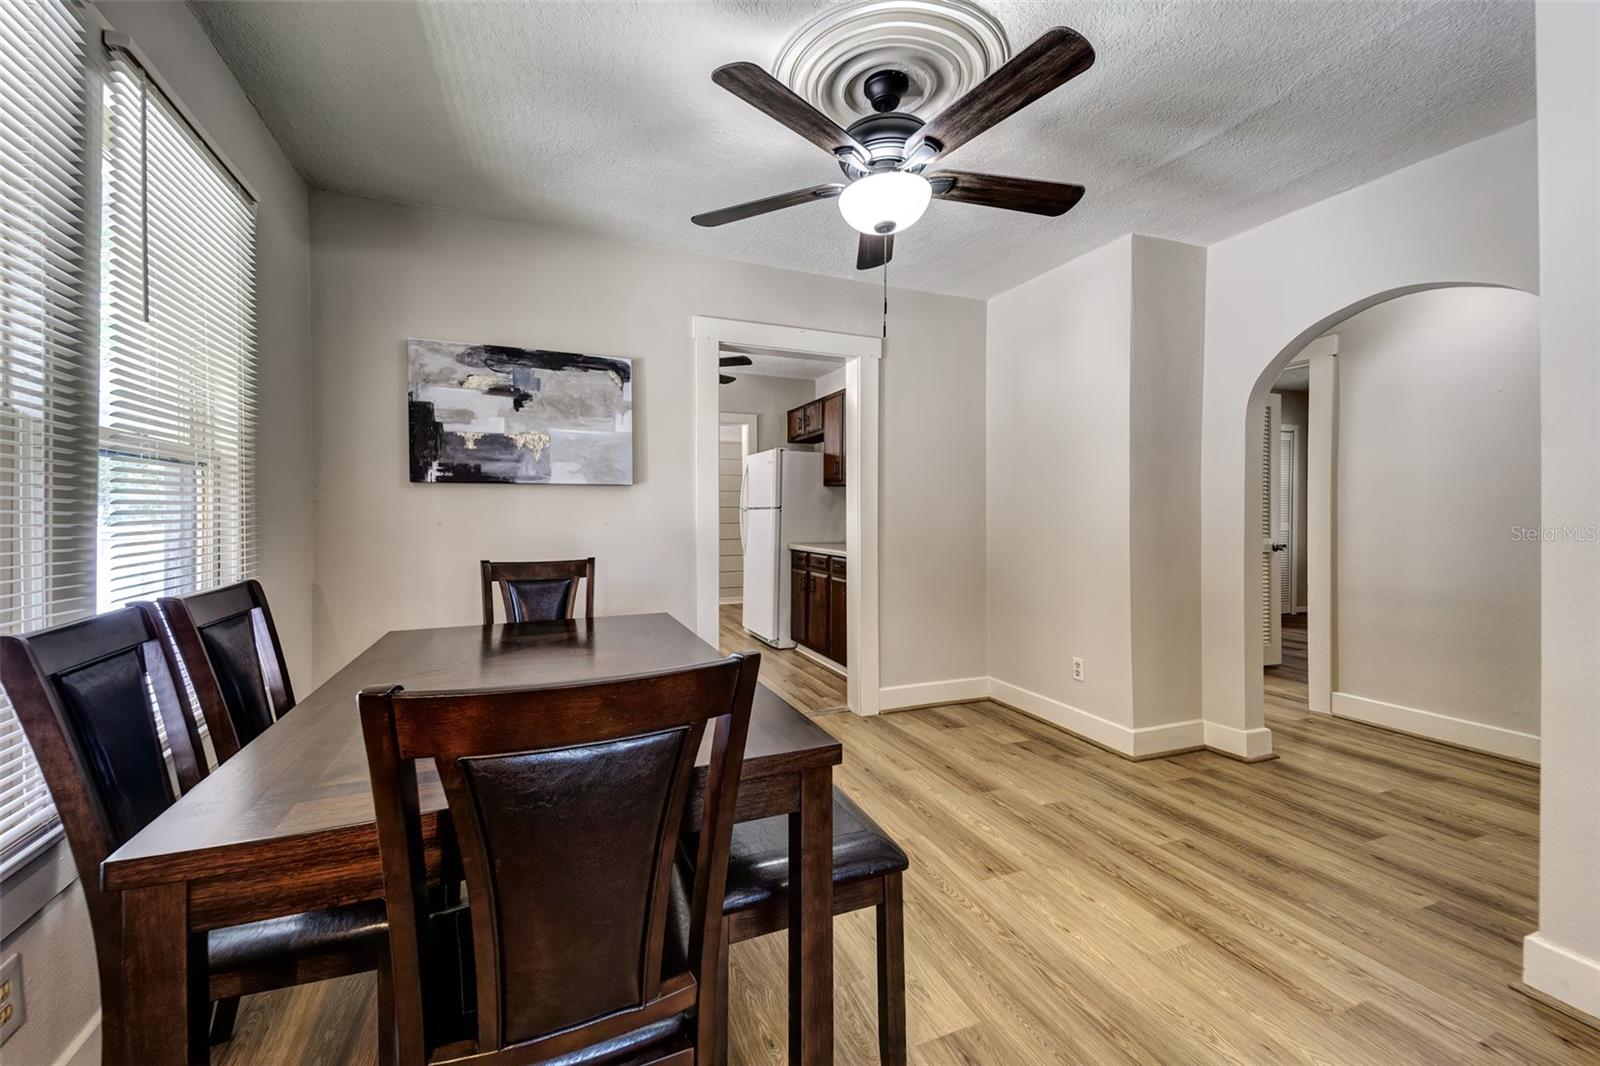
(884,154)
(731,360)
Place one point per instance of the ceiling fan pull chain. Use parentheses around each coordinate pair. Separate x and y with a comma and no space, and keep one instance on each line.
(885,299)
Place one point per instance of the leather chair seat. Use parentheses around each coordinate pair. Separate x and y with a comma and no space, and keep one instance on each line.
(758,860)
(282,951)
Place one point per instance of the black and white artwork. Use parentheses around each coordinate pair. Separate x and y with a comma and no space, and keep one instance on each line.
(520,416)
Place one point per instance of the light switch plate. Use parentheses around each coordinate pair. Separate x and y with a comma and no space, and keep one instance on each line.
(11,1012)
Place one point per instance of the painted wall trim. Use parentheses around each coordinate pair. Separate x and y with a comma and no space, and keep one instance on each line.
(933,693)
(1523,747)
(1251,745)
(1141,743)
(1567,976)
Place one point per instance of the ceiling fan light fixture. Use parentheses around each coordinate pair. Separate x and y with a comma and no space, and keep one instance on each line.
(886,202)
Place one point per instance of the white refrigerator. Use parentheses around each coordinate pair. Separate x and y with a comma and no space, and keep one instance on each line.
(781,501)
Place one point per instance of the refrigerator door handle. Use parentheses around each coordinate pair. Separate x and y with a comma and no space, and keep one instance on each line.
(744,493)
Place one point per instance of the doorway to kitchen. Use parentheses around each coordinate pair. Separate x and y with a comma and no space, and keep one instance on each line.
(787,549)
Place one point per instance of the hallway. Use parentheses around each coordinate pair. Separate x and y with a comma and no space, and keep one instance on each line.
(1286,682)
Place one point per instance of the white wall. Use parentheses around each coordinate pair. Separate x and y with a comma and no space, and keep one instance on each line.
(829,383)
(1058,500)
(1168,337)
(768,398)
(1093,494)
(393,554)
(1438,466)
(1563,958)
(58,954)
(1468,216)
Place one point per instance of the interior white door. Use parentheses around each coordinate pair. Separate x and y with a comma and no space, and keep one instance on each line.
(1288,542)
(1271,592)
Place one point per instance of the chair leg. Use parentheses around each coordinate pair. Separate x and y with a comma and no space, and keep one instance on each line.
(224,1012)
(719,1054)
(388,1037)
(891,974)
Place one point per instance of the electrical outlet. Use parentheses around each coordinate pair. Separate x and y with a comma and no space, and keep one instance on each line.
(11,1012)
(1077,668)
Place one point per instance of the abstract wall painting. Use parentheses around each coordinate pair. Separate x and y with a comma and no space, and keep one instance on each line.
(518,416)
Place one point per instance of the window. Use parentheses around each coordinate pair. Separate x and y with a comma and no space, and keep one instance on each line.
(128,377)
(177,355)
(47,367)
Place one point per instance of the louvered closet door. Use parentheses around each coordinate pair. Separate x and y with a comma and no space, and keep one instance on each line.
(1271,612)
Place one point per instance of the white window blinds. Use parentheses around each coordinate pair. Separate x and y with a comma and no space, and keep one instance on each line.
(178,355)
(47,367)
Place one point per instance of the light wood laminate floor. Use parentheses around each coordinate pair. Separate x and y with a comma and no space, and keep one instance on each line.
(1360,899)
(805,683)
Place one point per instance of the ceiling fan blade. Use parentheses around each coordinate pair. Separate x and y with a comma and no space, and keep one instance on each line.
(874,251)
(1012,194)
(768,203)
(735,360)
(1058,56)
(767,94)
(724,379)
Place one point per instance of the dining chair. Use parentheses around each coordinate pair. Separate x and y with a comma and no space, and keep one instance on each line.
(538,592)
(229,647)
(867,869)
(569,804)
(89,695)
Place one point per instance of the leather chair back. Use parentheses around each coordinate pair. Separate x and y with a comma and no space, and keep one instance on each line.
(568,806)
(89,695)
(227,642)
(537,591)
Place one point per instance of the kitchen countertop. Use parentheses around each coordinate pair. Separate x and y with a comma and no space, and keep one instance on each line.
(835,548)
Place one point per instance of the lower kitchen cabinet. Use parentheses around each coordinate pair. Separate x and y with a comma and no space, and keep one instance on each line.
(817,603)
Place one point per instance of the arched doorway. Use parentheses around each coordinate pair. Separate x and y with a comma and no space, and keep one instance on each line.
(1494,732)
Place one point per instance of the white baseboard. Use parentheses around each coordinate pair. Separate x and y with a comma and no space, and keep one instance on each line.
(85,1047)
(931,693)
(1247,744)
(1523,747)
(1135,743)
(821,660)
(1561,974)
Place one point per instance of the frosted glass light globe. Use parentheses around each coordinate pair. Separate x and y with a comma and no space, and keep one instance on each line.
(886,202)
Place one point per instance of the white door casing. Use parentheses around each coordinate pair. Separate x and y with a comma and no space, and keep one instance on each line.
(860,355)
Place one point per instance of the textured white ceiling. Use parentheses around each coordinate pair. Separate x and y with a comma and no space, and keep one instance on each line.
(1199,119)
(765,362)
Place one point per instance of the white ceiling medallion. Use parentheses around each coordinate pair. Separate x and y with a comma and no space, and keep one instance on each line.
(944,46)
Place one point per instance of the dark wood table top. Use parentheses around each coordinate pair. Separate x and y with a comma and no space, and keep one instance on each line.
(306,777)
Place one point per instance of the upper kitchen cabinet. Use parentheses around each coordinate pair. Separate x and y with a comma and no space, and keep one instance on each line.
(822,420)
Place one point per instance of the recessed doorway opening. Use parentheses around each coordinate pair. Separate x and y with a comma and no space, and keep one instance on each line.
(786,506)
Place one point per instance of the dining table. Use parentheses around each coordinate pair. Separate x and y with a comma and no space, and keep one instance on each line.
(287,824)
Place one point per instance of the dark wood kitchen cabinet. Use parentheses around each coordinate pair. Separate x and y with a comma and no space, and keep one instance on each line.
(836,610)
(833,440)
(822,422)
(817,599)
